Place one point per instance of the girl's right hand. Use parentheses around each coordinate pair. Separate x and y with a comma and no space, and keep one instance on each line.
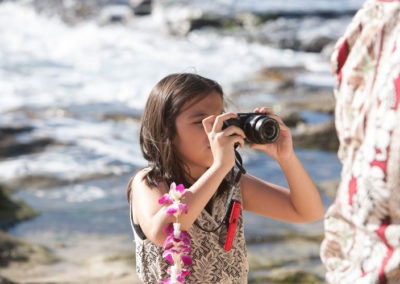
(222,141)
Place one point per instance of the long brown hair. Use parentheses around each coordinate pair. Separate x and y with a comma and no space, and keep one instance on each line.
(157,127)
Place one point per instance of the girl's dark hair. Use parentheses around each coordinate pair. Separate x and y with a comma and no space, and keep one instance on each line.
(157,127)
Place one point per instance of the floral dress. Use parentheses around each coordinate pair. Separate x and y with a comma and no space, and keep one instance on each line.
(362,227)
(211,263)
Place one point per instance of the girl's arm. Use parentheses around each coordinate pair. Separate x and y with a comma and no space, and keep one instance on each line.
(152,217)
(302,203)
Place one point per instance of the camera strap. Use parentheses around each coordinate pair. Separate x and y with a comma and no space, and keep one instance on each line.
(239,164)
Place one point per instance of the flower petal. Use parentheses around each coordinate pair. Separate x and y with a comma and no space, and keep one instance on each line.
(165,198)
(171,210)
(180,188)
(168,256)
(169,229)
(186,259)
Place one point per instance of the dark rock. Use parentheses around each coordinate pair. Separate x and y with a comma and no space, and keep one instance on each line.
(115,14)
(9,146)
(14,250)
(329,187)
(14,129)
(4,280)
(46,181)
(13,211)
(141,7)
(320,136)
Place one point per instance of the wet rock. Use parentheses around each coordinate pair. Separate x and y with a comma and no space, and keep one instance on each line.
(309,33)
(121,117)
(4,280)
(319,136)
(10,147)
(141,7)
(285,259)
(287,277)
(329,187)
(13,250)
(76,11)
(7,130)
(115,14)
(13,211)
(38,181)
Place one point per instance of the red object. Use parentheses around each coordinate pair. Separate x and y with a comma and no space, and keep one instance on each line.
(233,220)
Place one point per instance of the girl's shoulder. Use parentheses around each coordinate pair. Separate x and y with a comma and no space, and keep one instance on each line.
(139,182)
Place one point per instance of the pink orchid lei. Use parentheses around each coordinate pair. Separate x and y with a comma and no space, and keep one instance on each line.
(177,244)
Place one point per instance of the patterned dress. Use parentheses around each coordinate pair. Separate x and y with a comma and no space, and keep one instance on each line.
(211,263)
(362,227)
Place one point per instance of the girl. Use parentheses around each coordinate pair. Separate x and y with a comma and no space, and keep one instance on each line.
(181,137)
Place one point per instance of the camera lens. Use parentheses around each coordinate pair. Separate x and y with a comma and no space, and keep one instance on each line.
(268,129)
(261,129)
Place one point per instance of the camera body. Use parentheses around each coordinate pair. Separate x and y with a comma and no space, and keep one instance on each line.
(259,128)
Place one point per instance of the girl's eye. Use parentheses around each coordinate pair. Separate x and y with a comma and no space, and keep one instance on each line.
(198,122)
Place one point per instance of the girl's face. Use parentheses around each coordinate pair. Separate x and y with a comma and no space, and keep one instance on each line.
(191,142)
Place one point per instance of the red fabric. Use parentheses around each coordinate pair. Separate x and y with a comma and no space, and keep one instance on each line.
(397,87)
(381,233)
(352,189)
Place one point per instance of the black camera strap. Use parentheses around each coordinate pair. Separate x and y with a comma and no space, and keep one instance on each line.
(239,164)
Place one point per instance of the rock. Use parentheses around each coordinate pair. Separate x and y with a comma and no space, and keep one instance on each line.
(329,187)
(13,211)
(4,280)
(141,7)
(14,129)
(115,14)
(13,250)
(320,136)
(39,181)
(10,147)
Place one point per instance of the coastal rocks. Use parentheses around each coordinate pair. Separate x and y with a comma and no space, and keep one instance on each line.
(316,136)
(305,30)
(306,33)
(12,211)
(11,145)
(280,89)
(284,259)
(105,11)
(4,280)
(13,250)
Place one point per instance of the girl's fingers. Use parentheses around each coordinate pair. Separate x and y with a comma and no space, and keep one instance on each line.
(237,139)
(219,121)
(208,123)
(234,130)
(269,112)
(266,110)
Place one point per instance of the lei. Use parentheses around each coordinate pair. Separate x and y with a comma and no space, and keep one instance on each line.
(177,245)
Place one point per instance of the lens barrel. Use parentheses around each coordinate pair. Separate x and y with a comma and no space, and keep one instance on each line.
(258,128)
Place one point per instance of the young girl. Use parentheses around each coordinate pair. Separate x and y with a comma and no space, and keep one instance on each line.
(182,139)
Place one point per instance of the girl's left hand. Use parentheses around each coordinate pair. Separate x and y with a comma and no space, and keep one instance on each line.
(282,148)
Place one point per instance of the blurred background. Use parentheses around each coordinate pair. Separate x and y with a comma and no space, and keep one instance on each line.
(74,78)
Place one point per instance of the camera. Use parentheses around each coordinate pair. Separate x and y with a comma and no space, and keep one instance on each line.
(259,128)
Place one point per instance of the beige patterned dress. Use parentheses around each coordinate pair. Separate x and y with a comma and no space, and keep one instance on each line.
(211,263)
(362,227)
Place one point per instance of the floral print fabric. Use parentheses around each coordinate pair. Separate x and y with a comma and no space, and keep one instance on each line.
(362,227)
(211,263)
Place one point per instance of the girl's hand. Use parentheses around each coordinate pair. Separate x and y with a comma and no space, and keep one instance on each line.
(222,141)
(281,149)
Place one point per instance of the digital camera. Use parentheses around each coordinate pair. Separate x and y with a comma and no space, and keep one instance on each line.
(259,128)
